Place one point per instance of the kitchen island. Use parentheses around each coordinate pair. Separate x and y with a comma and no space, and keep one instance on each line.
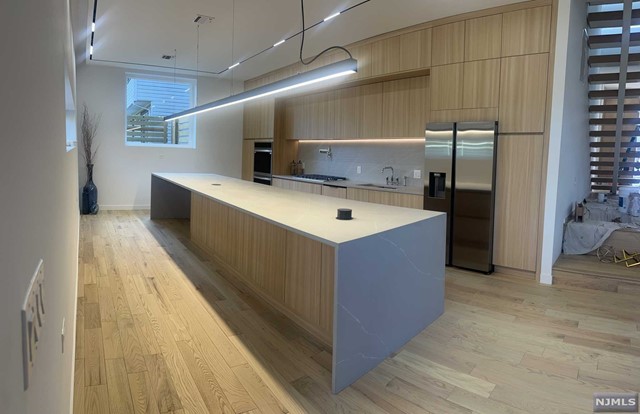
(363,287)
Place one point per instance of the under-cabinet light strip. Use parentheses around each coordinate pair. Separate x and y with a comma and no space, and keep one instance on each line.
(362,141)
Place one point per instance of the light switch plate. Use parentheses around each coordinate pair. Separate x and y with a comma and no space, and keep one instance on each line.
(358,170)
(417,174)
(32,315)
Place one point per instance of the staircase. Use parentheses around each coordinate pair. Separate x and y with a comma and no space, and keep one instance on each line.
(614,79)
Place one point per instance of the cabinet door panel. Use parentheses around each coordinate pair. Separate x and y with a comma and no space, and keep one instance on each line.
(518,188)
(526,31)
(483,38)
(447,44)
(523,93)
(370,110)
(405,107)
(446,87)
(481,84)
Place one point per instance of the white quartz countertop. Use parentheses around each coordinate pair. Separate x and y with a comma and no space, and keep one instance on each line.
(311,215)
(357,184)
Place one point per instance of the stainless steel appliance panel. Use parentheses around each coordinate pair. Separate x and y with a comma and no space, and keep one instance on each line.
(262,154)
(474,195)
(438,171)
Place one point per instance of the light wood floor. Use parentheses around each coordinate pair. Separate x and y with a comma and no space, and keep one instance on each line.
(588,272)
(160,331)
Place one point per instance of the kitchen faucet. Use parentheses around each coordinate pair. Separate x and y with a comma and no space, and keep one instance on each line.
(391,180)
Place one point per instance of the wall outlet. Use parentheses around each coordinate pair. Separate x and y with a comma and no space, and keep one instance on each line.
(32,313)
(417,173)
(358,170)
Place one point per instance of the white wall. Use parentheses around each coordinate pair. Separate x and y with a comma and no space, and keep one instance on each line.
(568,170)
(123,173)
(38,203)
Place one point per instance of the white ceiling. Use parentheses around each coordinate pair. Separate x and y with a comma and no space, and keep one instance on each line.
(141,31)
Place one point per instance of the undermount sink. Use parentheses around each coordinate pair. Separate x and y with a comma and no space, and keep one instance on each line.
(378,186)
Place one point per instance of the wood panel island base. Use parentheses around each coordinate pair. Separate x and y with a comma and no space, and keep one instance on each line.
(363,287)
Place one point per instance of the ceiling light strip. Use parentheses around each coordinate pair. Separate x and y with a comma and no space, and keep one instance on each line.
(327,72)
(95,8)
(93,28)
(296,34)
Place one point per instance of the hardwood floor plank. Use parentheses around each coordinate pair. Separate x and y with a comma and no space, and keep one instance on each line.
(96,400)
(205,380)
(78,386)
(118,386)
(258,391)
(131,349)
(94,369)
(111,340)
(142,395)
(162,384)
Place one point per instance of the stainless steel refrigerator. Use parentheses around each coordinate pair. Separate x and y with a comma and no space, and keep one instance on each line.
(459,179)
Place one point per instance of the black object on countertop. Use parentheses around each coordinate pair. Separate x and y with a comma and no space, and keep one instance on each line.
(344,214)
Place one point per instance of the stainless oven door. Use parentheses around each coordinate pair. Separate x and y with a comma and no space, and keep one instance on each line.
(262,158)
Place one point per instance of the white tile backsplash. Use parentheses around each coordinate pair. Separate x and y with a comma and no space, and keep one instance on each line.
(403,156)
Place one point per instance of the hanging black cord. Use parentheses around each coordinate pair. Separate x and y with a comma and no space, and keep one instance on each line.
(321,53)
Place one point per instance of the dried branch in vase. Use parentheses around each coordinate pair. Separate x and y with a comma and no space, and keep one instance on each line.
(89,127)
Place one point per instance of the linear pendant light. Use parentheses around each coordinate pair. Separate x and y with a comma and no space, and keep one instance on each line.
(333,70)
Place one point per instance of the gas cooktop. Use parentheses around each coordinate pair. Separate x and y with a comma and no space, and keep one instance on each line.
(320,177)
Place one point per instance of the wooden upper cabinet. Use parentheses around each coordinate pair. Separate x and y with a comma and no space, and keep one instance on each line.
(483,38)
(518,191)
(447,44)
(523,93)
(481,87)
(369,106)
(526,31)
(409,51)
(363,55)
(446,87)
(405,107)
(258,119)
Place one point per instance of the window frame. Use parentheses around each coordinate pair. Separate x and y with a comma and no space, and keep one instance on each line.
(165,78)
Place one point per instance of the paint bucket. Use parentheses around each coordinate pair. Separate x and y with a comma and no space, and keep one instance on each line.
(623,197)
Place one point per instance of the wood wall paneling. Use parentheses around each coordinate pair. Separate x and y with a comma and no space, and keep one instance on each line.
(483,38)
(481,84)
(476,114)
(303,277)
(338,192)
(518,187)
(247,160)
(405,107)
(523,93)
(446,87)
(526,31)
(447,44)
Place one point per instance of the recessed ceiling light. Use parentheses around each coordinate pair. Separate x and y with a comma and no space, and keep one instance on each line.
(91,50)
(331,17)
(93,27)
(233,66)
(279,43)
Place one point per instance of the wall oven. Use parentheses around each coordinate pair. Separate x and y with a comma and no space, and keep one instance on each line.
(262,163)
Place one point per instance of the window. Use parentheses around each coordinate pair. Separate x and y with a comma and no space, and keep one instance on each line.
(149,100)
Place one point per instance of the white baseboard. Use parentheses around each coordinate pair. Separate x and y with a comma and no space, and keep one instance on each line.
(122,207)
